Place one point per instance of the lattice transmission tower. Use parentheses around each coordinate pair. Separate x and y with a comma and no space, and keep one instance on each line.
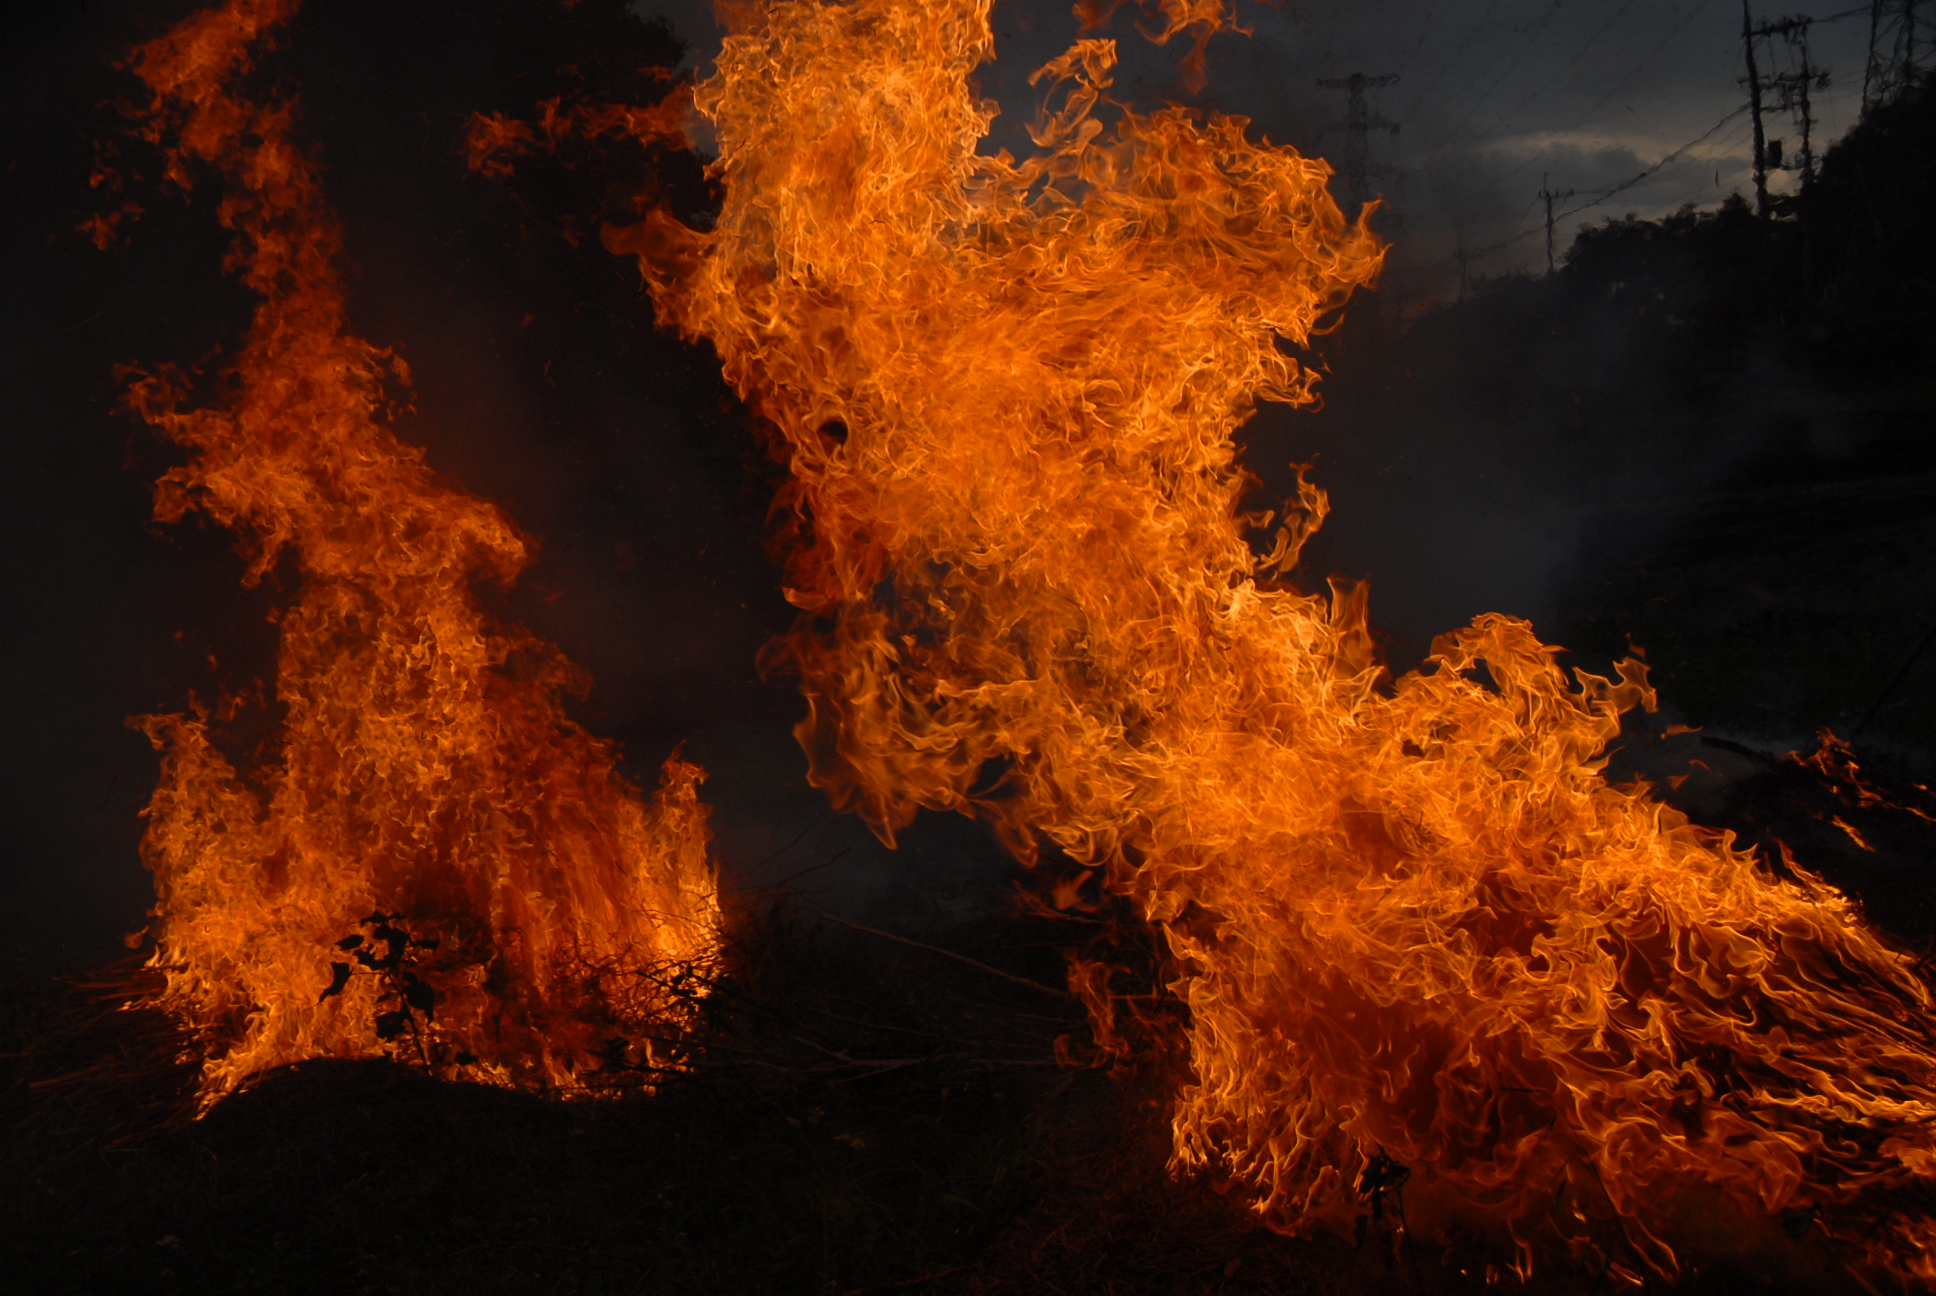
(1896,39)
(1357,123)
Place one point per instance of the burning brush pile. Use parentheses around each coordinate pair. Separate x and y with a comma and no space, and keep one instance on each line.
(423,765)
(1408,935)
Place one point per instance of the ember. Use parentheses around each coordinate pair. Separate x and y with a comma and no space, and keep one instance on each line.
(425,786)
(1420,937)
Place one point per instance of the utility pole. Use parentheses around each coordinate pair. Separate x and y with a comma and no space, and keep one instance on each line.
(1461,257)
(1358,122)
(1794,86)
(1877,71)
(1549,197)
(1754,109)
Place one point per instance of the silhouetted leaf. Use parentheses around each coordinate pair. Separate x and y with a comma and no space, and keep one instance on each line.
(366,958)
(432,943)
(420,996)
(466,1058)
(349,942)
(339,976)
(391,1024)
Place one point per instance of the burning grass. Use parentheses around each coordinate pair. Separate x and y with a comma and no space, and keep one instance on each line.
(1411,938)
(1413,924)
(876,1117)
(421,761)
(866,1112)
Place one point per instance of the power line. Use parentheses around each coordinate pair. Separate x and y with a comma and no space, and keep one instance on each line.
(1506,69)
(1472,34)
(1633,72)
(1605,196)
(1654,170)
(1596,198)
(1419,44)
(1591,42)
(1699,9)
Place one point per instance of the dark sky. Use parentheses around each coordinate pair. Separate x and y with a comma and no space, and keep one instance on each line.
(1499,98)
(1495,100)
(607,446)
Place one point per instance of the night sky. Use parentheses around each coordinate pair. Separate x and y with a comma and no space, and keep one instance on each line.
(611,446)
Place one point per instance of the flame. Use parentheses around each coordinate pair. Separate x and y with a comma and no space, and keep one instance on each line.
(1412,922)
(424,767)
(1834,763)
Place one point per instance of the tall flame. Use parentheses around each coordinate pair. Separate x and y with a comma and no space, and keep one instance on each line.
(425,767)
(1409,922)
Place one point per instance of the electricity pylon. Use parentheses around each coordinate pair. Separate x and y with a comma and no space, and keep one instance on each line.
(1358,123)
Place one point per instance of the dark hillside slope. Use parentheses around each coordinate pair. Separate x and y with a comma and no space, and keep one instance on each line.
(1710,433)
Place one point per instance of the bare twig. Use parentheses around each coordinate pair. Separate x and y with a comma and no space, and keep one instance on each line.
(905,1283)
(907,1030)
(795,876)
(1929,636)
(950,954)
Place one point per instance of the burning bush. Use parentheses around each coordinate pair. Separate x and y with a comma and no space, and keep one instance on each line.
(422,765)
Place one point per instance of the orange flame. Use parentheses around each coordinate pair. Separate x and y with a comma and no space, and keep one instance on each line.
(1411,923)
(425,765)
(1835,765)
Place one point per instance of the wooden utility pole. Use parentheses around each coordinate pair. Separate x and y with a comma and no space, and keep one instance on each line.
(1876,70)
(1548,196)
(1754,109)
(1795,86)
(1358,122)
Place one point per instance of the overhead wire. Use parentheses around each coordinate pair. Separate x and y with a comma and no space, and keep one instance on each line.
(1472,34)
(1430,20)
(1522,231)
(1605,196)
(1552,81)
(1504,58)
(1700,8)
(1598,197)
